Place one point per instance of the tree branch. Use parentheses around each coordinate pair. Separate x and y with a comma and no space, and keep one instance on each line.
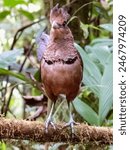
(19,32)
(35,131)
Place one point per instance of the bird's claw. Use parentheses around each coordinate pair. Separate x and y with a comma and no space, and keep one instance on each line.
(49,122)
(71,124)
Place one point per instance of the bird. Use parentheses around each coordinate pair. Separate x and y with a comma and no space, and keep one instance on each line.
(42,40)
(61,65)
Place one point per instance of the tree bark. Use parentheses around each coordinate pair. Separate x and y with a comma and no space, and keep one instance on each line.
(35,131)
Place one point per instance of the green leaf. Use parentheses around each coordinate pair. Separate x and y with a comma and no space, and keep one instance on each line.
(9,57)
(91,81)
(102,42)
(14,74)
(100,84)
(4,14)
(99,10)
(106,91)
(101,53)
(91,73)
(2,145)
(94,27)
(84,27)
(37,75)
(86,111)
(27,14)
(20,76)
(13,3)
(108,27)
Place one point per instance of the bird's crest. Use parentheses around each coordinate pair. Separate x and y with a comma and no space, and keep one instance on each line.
(59,14)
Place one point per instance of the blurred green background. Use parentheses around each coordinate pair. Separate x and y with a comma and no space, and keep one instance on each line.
(91,24)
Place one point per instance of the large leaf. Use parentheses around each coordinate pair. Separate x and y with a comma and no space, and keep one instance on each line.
(101,53)
(91,73)
(26,14)
(108,27)
(12,3)
(37,75)
(86,111)
(9,57)
(3,14)
(100,50)
(100,84)
(2,145)
(106,91)
(14,74)
(102,42)
(22,77)
(99,10)
(85,27)
(91,81)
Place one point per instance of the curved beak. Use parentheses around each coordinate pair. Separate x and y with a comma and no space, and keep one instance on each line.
(55,25)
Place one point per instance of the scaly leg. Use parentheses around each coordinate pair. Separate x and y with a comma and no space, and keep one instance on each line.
(49,120)
(71,122)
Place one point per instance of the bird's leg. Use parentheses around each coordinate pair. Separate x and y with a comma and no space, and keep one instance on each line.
(71,122)
(49,120)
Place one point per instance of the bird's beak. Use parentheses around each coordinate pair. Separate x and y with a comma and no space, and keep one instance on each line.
(55,25)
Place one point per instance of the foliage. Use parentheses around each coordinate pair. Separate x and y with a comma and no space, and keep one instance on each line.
(98,77)
(95,100)
(8,58)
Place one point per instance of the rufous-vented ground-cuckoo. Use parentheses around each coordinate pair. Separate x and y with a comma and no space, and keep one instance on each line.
(61,65)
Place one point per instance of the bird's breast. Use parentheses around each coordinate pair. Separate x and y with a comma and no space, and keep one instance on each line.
(61,77)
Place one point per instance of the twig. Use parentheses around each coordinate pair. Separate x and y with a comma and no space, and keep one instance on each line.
(68,4)
(8,102)
(12,113)
(82,7)
(26,56)
(19,32)
(35,131)
(4,94)
(73,15)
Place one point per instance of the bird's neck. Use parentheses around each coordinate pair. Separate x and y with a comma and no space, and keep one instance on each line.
(61,35)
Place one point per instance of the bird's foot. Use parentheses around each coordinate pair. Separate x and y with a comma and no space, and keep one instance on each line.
(47,123)
(71,124)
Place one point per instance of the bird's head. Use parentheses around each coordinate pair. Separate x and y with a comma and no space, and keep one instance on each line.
(59,17)
(58,20)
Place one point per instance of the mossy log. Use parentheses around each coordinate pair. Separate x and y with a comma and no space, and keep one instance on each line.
(35,131)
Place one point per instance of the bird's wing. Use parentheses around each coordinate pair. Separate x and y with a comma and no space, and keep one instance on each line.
(42,40)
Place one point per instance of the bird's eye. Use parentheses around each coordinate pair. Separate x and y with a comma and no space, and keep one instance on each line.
(64,23)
